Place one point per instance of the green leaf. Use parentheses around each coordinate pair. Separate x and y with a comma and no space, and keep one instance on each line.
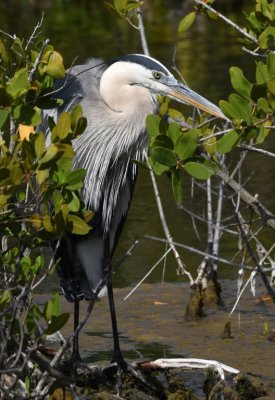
(27,115)
(48,310)
(159,169)
(77,225)
(163,141)
(240,83)
(210,145)
(271,64)
(237,108)
(186,22)
(48,104)
(226,143)
(56,305)
(39,144)
(63,127)
(76,113)
(174,131)
(152,125)
(228,110)
(243,107)
(163,156)
(54,67)
(28,384)
(198,170)
(187,144)
(49,158)
(263,104)
(271,85)
(5,298)
(19,84)
(80,126)
(267,37)
(47,223)
(262,74)
(75,179)
(74,204)
(176,185)
(57,199)
(4,113)
(57,323)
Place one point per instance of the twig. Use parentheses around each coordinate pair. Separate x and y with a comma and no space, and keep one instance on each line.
(217,229)
(254,53)
(252,276)
(252,255)
(181,267)
(37,61)
(34,35)
(50,265)
(227,21)
(206,137)
(197,251)
(254,149)
(8,35)
(142,33)
(253,202)
(148,273)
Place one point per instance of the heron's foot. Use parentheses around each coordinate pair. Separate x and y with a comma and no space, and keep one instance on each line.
(76,363)
(120,366)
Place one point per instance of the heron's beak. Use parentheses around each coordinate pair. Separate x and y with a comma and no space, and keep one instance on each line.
(185,95)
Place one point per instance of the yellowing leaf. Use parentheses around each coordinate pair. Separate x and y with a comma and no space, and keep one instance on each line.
(25,131)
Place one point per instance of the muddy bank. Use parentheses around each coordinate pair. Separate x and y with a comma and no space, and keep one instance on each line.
(152,325)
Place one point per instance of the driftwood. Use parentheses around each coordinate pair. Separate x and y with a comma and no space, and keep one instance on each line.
(188,363)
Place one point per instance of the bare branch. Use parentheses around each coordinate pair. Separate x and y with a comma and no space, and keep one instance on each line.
(227,21)
(35,33)
(251,201)
(244,146)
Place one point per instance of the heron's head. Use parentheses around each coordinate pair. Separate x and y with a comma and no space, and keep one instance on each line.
(137,70)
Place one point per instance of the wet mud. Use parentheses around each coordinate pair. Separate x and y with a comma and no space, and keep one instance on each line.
(152,325)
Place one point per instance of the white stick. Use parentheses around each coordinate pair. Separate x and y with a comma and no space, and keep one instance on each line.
(194,363)
(148,273)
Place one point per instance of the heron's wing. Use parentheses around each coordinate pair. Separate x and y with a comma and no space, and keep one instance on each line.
(82,258)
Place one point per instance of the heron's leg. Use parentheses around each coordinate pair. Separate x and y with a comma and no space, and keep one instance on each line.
(117,355)
(75,357)
(117,358)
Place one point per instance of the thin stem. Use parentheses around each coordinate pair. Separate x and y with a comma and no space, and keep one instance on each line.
(148,273)
(181,267)
(227,21)
(200,252)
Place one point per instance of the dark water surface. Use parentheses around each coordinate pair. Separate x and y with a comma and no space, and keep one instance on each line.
(84,29)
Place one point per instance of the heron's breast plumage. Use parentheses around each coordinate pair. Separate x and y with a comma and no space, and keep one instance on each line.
(106,152)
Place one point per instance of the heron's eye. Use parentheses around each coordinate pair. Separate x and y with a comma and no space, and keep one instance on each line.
(157,75)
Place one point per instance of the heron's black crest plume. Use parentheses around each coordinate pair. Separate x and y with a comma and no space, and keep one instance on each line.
(146,61)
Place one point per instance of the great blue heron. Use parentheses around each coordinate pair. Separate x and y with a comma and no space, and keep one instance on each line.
(116,98)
